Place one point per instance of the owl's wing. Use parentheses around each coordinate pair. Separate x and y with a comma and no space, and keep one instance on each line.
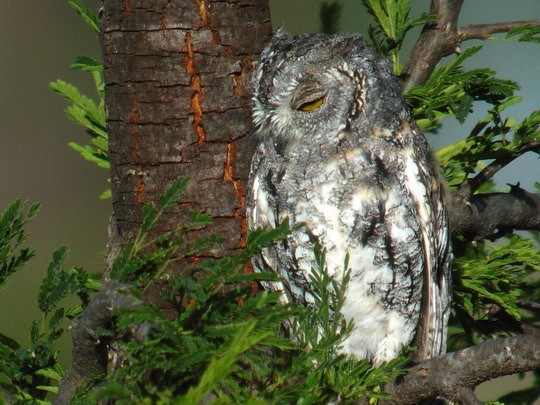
(430,337)
(263,211)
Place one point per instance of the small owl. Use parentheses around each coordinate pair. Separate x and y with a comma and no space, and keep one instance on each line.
(340,154)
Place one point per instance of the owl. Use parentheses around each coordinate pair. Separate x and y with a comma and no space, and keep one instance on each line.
(340,154)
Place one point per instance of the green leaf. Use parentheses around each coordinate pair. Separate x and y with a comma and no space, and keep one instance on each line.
(12,235)
(87,64)
(91,154)
(221,366)
(54,373)
(89,16)
(106,194)
(172,195)
(526,33)
(59,284)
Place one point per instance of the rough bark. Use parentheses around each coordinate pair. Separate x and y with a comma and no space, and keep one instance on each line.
(176,83)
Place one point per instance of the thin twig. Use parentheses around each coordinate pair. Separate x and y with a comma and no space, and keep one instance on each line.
(513,324)
(484,31)
(469,187)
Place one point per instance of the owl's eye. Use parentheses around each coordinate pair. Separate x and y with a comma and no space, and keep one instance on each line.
(308,96)
(312,105)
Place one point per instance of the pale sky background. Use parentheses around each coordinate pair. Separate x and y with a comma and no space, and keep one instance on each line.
(38,42)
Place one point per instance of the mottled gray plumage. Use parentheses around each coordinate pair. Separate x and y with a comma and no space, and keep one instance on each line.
(340,153)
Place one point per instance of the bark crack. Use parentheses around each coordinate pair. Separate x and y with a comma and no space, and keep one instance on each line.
(162,18)
(228,175)
(133,118)
(204,13)
(195,83)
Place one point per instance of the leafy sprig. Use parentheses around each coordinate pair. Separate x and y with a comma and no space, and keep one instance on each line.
(392,23)
(84,111)
(34,371)
(12,237)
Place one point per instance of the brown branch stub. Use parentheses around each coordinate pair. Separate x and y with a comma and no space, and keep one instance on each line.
(454,375)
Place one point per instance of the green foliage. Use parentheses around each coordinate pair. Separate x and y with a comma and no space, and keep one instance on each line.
(222,339)
(12,236)
(88,15)
(451,91)
(392,23)
(487,275)
(525,33)
(32,372)
(492,138)
(84,111)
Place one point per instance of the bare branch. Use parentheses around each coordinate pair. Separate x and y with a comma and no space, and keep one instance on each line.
(454,375)
(484,31)
(469,187)
(443,37)
(89,350)
(438,39)
(483,215)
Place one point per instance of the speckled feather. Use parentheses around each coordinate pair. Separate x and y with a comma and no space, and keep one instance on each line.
(361,177)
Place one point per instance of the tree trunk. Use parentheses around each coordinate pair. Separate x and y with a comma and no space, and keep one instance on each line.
(177,77)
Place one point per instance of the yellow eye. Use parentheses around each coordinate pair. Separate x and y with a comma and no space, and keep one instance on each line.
(312,105)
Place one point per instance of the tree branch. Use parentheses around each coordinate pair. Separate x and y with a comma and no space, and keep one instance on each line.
(469,187)
(454,375)
(89,349)
(438,39)
(483,215)
(443,37)
(484,31)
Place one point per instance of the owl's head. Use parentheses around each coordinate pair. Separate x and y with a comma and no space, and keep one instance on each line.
(316,87)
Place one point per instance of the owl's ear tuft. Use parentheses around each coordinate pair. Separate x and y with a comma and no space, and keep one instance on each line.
(280,33)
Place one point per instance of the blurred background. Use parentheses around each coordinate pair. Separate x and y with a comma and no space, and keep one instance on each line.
(39,40)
